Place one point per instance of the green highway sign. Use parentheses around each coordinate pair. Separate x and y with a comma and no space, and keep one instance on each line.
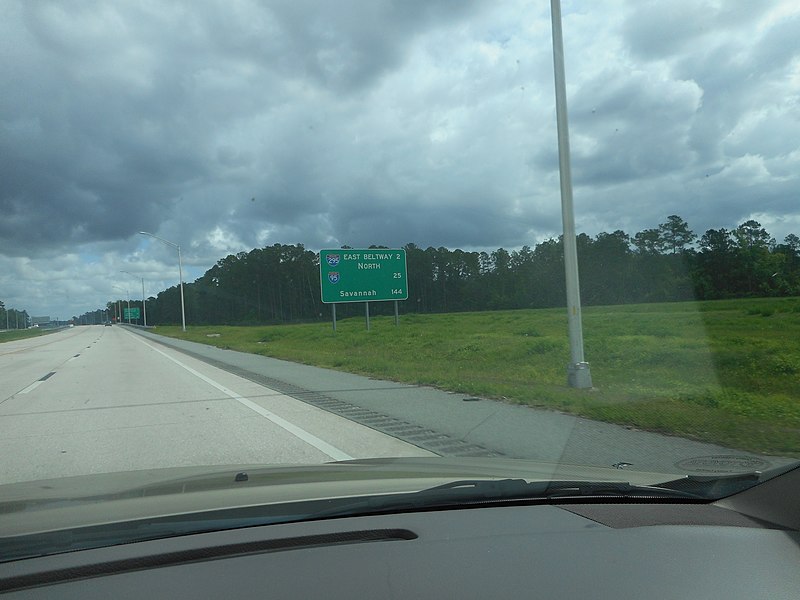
(363,275)
(130,313)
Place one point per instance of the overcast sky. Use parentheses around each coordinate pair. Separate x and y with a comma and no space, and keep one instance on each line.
(224,126)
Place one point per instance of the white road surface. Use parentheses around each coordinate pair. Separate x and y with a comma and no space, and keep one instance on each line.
(101,399)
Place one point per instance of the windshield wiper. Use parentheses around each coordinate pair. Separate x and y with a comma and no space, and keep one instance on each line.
(524,490)
(476,492)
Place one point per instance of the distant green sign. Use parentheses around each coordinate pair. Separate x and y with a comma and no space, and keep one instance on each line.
(363,275)
(130,313)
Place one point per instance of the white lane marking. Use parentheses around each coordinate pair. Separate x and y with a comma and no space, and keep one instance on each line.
(32,386)
(309,438)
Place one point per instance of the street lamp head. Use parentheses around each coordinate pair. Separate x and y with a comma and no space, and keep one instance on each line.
(160,239)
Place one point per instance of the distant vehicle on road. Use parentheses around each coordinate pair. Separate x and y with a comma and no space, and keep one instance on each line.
(107,323)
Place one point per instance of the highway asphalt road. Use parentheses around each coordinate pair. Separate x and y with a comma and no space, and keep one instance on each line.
(100,399)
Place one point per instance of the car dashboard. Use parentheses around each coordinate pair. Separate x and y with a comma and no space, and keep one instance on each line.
(572,550)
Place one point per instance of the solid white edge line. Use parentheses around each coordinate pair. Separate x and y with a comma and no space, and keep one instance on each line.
(32,386)
(309,438)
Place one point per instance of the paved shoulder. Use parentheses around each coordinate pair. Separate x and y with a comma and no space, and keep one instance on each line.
(455,425)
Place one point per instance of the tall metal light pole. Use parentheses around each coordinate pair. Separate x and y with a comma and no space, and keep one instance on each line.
(144,307)
(578,374)
(180,272)
(128,294)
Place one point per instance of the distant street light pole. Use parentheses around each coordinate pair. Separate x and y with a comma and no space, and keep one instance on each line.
(180,272)
(128,294)
(578,374)
(144,306)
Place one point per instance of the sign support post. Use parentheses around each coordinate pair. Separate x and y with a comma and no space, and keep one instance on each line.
(396,314)
(333,312)
(366,309)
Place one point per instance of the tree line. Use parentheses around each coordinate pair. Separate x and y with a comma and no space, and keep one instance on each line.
(11,318)
(280,283)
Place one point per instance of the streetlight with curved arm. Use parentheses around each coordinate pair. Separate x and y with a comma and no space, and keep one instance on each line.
(180,272)
(128,294)
(144,306)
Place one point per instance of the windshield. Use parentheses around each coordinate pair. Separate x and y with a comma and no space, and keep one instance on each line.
(236,236)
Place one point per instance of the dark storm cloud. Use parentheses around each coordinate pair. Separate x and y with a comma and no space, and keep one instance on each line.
(631,125)
(345,46)
(115,111)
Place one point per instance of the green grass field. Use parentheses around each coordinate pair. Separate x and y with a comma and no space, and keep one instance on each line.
(21,334)
(726,372)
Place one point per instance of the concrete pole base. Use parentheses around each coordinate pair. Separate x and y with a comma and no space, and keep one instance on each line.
(579,376)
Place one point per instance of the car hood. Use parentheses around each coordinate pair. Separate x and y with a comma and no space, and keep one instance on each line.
(48,505)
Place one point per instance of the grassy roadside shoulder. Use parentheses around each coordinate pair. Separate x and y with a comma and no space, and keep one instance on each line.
(726,372)
(22,334)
